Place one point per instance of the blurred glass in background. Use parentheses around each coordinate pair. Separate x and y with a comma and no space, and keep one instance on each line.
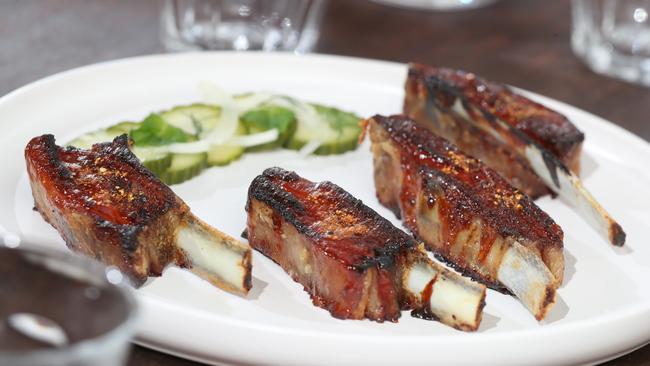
(613,37)
(440,5)
(60,309)
(268,25)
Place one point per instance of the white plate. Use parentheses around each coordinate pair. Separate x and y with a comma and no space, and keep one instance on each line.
(603,308)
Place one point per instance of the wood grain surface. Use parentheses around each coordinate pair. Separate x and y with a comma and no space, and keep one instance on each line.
(524,43)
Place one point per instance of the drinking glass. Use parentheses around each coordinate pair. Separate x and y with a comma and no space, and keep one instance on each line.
(437,5)
(613,37)
(60,309)
(269,25)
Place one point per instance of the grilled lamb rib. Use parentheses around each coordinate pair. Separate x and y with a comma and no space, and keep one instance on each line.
(535,148)
(466,213)
(438,97)
(352,261)
(106,205)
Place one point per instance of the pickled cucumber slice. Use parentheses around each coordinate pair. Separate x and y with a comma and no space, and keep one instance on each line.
(339,133)
(224,154)
(183,167)
(334,132)
(156,131)
(86,141)
(194,119)
(268,117)
(104,135)
(122,127)
(155,160)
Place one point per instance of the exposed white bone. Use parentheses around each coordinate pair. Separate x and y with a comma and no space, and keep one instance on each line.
(571,189)
(455,300)
(215,256)
(527,277)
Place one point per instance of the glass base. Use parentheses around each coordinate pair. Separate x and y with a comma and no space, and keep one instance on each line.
(238,36)
(203,25)
(437,5)
(605,38)
(604,58)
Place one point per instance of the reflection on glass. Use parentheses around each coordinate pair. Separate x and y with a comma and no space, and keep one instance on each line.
(277,25)
(613,37)
(61,309)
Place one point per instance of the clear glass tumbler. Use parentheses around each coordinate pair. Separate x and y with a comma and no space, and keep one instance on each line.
(269,25)
(60,309)
(613,37)
(437,5)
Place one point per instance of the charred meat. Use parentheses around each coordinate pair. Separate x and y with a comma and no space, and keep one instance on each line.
(536,149)
(352,262)
(106,205)
(466,213)
(441,98)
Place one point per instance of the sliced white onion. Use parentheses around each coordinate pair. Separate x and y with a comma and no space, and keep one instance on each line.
(231,108)
(226,127)
(305,112)
(249,101)
(229,117)
(211,93)
(189,147)
(310,147)
(204,145)
(255,139)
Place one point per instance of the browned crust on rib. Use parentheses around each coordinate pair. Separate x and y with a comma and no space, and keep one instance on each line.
(332,218)
(344,254)
(105,204)
(417,171)
(431,91)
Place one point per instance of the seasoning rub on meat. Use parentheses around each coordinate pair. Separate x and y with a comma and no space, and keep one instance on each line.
(535,148)
(353,262)
(106,205)
(466,213)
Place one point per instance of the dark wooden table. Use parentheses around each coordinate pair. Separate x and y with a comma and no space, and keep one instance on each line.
(523,43)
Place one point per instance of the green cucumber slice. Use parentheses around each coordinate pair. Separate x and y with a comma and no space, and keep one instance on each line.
(88,140)
(158,165)
(339,133)
(122,127)
(268,117)
(194,119)
(224,154)
(155,131)
(155,160)
(183,167)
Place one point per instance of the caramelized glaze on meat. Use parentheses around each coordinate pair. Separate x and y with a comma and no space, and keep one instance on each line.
(108,182)
(464,211)
(352,262)
(343,238)
(431,96)
(105,204)
(342,226)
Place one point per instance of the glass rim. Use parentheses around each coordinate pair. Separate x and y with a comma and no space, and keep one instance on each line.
(84,348)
